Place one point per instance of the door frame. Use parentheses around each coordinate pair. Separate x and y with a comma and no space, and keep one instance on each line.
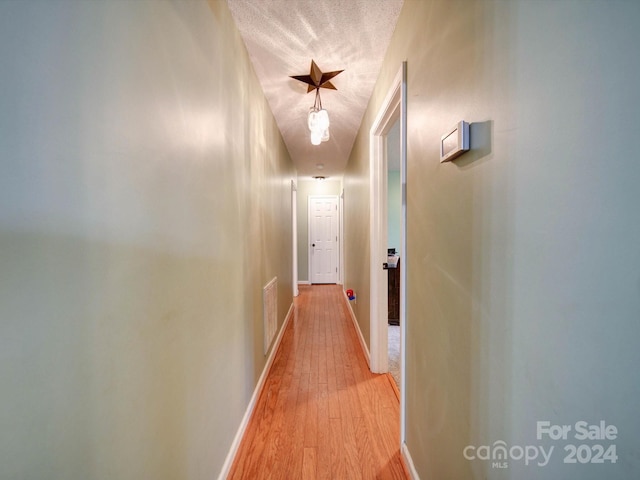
(341,279)
(394,107)
(294,235)
(338,233)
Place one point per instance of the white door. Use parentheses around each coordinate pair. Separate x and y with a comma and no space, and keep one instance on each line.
(323,239)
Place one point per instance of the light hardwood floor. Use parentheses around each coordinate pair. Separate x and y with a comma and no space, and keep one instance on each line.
(322,414)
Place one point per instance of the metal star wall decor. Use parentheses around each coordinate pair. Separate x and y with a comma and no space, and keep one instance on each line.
(316,79)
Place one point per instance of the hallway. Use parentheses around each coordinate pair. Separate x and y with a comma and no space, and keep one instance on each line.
(322,413)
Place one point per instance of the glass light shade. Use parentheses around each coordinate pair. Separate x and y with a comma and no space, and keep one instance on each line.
(323,119)
(325,135)
(312,120)
(316,137)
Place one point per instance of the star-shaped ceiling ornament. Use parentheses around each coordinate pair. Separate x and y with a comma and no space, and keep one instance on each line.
(316,79)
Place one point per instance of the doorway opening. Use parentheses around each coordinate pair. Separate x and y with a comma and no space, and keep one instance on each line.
(394,249)
(393,111)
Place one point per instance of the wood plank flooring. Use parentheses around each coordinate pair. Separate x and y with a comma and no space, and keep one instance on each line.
(322,414)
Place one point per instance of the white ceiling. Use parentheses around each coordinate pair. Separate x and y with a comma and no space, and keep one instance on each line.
(283,36)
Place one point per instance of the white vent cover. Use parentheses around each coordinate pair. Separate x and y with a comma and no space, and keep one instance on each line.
(270,311)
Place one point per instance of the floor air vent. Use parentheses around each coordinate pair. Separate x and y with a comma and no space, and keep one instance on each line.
(270,311)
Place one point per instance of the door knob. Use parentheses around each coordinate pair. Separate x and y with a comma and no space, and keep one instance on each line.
(313,244)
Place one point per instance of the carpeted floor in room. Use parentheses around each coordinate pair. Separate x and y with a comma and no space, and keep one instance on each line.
(394,353)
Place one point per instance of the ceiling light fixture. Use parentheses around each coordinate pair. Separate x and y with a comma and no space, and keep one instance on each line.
(318,118)
(318,121)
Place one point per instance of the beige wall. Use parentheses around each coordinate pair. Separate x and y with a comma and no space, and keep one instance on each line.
(523,259)
(356,226)
(144,202)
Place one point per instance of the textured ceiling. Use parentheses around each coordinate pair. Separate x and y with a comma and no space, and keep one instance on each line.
(283,36)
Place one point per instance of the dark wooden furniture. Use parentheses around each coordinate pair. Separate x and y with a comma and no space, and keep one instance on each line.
(393,295)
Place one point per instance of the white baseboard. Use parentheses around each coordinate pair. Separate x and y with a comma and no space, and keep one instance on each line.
(304,282)
(363,344)
(408,461)
(226,467)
